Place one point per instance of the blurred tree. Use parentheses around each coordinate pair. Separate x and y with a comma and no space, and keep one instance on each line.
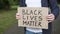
(1,4)
(58,1)
(13,2)
(4,4)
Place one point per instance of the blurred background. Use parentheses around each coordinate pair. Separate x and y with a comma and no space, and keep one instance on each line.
(8,22)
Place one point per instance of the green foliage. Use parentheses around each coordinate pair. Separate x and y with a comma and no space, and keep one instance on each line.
(13,2)
(5,4)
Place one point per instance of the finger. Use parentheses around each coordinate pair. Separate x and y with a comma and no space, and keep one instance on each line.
(17,16)
(50,18)
(49,21)
(50,15)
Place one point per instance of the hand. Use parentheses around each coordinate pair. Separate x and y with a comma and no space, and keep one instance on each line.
(18,16)
(50,17)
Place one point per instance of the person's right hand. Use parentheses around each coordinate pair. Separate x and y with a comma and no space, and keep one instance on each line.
(18,16)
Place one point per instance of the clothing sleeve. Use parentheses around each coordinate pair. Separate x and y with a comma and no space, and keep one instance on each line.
(22,3)
(54,7)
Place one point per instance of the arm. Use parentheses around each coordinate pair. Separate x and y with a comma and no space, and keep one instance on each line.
(54,7)
(22,3)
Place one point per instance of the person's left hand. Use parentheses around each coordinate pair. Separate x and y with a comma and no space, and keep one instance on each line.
(50,17)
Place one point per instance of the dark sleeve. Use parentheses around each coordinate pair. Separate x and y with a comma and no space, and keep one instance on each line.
(22,3)
(54,7)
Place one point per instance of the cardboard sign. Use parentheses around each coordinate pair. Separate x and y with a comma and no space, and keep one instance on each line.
(33,17)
